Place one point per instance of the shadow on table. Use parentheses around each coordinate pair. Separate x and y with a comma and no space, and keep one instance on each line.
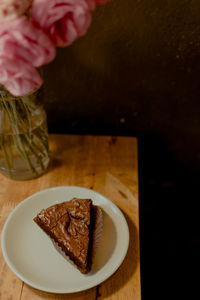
(54,163)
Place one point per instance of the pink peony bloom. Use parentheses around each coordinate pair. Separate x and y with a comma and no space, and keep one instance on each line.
(18,77)
(11,9)
(91,4)
(20,39)
(63,20)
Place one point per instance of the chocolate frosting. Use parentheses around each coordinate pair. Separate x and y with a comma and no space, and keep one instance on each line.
(69,222)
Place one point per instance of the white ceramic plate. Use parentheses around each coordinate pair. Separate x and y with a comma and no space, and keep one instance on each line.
(31,255)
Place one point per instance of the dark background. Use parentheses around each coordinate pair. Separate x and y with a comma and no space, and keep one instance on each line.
(137,73)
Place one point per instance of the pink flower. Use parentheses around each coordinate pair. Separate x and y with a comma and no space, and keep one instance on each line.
(91,4)
(63,20)
(21,40)
(18,77)
(11,9)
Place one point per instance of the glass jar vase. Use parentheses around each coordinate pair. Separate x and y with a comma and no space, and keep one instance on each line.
(24,149)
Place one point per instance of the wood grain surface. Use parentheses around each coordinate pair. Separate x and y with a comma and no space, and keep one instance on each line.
(105,164)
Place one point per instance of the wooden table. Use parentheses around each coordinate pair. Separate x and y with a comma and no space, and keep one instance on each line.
(105,164)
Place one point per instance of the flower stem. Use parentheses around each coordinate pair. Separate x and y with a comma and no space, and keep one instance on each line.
(19,143)
(6,156)
(29,144)
(43,138)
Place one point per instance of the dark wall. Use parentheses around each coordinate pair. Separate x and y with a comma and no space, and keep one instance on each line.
(137,72)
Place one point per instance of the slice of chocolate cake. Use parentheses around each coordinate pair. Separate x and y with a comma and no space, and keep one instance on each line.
(71,225)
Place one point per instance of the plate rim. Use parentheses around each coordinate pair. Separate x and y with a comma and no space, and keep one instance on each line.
(68,290)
